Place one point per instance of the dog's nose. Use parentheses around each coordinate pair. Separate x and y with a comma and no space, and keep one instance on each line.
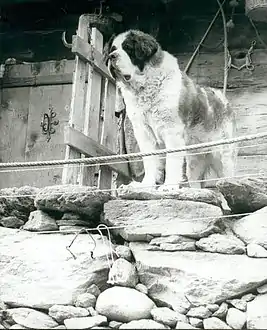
(113,55)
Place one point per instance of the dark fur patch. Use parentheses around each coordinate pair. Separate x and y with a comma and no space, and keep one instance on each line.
(140,47)
(193,106)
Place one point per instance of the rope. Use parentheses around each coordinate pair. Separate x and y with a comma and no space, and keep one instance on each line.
(202,40)
(255,175)
(217,148)
(131,156)
(225,48)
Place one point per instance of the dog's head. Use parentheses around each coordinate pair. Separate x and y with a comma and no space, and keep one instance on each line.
(130,52)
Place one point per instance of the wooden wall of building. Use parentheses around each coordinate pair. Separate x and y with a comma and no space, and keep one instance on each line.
(39,86)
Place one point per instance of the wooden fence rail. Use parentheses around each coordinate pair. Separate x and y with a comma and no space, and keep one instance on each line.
(92,128)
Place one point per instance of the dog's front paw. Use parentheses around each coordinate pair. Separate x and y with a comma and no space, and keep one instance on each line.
(136,186)
(165,188)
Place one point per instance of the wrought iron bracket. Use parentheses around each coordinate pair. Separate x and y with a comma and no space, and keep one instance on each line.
(48,122)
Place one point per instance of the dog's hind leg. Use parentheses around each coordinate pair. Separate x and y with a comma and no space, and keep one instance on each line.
(195,169)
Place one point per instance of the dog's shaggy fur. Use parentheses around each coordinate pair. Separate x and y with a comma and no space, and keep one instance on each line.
(168,110)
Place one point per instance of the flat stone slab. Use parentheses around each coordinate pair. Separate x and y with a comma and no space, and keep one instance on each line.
(37,271)
(257,313)
(144,219)
(184,194)
(72,198)
(199,278)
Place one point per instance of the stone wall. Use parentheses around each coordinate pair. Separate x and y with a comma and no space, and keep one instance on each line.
(184,260)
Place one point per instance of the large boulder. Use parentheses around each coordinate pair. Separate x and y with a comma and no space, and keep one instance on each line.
(179,279)
(37,270)
(257,313)
(244,195)
(141,220)
(72,198)
(252,228)
(18,202)
(124,304)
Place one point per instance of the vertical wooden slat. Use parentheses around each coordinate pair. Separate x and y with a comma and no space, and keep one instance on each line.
(71,174)
(108,138)
(92,108)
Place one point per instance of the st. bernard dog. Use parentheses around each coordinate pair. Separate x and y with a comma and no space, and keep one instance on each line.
(168,110)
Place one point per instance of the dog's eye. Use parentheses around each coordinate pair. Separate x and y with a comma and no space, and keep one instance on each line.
(113,48)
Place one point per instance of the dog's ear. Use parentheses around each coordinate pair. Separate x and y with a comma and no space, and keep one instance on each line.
(140,47)
(106,49)
(145,47)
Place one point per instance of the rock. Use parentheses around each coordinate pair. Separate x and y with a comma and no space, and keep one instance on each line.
(18,326)
(37,271)
(92,311)
(182,326)
(21,206)
(201,312)
(111,303)
(222,311)
(161,218)
(80,223)
(63,312)
(245,195)
(71,216)
(11,222)
(71,229)
(257,313)
(85,300)
(114,324)
(196,322)
(175,278)
(174,243)
(143,324)
(182,194)
(164,315)
(142,288)
(235,318)
(218,243)
(72,198)
(124,252)
(248,297)
(40,221)
(252,228)
(256,251)
(123,273)
(62,327)
(262,289)
(1,326)
(94,290)
(31,318)
(213,307)
(85,322)
(239,304)
(215,323)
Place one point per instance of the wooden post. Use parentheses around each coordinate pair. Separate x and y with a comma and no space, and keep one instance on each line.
(72,173)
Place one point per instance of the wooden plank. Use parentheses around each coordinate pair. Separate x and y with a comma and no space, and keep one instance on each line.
(109,131)
(86,145)
(208,68)
(37,146)
(251,118)
(92,109)
(88,53)
(14,109)
(72,174)
(59,79)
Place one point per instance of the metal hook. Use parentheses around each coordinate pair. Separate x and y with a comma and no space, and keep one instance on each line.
(63,38)
(76,235)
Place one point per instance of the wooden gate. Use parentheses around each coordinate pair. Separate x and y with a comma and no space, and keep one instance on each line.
(92,127)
